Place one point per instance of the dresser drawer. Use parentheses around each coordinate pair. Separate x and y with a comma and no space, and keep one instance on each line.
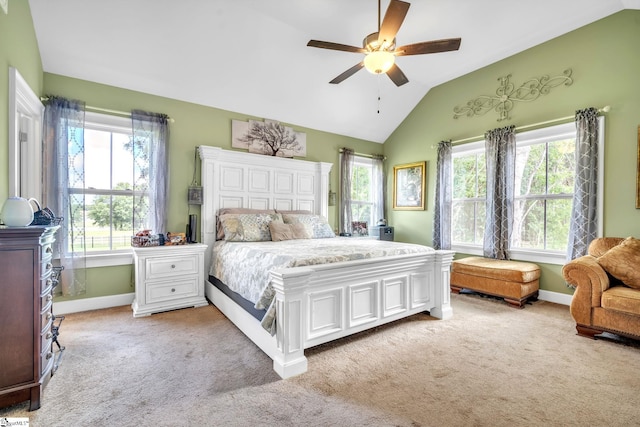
(160,268)
(46,361)
(46,338)
(164,291)
(46,251)
(46,269)
(46,316)
(46,297)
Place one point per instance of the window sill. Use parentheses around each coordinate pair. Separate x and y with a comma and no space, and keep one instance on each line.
(545,257)
(109,259)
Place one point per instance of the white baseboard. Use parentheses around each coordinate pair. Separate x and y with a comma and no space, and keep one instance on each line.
(86,304)
(556,297)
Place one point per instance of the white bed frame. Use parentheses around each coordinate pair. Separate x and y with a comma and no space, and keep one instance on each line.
(319,303)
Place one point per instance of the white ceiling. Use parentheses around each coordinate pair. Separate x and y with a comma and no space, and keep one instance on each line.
(250,56)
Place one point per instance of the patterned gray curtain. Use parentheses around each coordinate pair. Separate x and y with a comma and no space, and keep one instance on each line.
(346,169)
(150,180)
(378,184)
(584,215)
(442,213)
(63,187)
(501,156)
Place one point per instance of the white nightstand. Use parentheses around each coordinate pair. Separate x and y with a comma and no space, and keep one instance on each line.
(168,278)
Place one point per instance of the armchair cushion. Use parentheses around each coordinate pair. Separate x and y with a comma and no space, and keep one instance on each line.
(622,262)
(621,298)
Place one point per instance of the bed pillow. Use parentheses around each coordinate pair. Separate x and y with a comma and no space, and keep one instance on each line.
(318,224)
(281,231)
(622,262)
(226,211)
(248,227)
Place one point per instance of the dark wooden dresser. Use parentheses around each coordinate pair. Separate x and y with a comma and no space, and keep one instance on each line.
(26,354)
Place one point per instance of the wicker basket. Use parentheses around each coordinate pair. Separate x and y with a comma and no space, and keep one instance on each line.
(145,241)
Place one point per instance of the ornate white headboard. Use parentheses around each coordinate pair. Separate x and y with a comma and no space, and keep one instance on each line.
(236,179)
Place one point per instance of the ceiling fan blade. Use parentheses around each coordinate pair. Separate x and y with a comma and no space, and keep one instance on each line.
(392,21)
(397,76)
(433,46)
(350,72)
(335,46)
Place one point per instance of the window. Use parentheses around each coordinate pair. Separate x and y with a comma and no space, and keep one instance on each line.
(362,191)
(108,183)
(544,185)
(469,192)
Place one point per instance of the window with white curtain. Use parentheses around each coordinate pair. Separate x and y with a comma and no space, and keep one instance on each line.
(544,185)
(362,191)
(108,183)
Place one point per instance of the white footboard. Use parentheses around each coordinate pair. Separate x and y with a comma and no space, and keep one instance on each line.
(317,304)
(321,303)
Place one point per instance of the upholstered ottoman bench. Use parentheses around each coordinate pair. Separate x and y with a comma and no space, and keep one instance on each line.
(515,281)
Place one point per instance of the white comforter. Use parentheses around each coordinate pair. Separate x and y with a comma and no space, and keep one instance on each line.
(244,266)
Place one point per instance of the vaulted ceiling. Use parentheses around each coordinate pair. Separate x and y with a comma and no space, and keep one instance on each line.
(250,56)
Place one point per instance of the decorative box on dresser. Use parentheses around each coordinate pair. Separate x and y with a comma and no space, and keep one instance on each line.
(26,354)
(168,278)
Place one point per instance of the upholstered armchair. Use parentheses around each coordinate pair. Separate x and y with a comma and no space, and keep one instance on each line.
(607,281)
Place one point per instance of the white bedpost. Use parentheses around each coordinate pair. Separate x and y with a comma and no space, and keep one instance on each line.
(442,285)
(324,169)
(289,359)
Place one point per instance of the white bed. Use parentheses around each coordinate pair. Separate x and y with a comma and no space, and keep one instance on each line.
(317,303)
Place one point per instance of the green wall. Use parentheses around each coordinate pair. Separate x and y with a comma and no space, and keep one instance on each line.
(19,49)
(605,60)
(194,125)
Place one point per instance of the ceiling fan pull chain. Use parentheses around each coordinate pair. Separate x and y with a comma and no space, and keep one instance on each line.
(378,94)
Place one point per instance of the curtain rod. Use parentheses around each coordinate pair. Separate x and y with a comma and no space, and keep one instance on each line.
(604,109)
(370,156)
(104,110)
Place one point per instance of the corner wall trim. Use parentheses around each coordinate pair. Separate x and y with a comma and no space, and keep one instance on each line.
(86,304)
(557,297)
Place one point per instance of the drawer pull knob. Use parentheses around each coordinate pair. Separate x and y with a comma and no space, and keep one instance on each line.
(173,266)
(49,355)
(173,289)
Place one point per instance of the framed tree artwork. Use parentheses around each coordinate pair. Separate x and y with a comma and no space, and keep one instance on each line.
(409,186)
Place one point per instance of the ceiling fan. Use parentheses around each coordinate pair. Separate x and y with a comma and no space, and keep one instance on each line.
(380,47)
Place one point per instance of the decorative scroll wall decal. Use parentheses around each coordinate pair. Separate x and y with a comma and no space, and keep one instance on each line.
(507,94)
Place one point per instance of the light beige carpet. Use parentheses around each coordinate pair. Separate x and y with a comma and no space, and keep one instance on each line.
(491,365)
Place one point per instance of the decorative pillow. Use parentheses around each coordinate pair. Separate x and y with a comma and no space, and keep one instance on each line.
(622,262)
(281,231)
(225,211)
(318,224)
(248,227)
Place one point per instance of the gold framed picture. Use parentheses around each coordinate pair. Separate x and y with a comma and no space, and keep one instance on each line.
(409,186)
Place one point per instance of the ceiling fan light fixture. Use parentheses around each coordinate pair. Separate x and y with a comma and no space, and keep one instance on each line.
(379,61)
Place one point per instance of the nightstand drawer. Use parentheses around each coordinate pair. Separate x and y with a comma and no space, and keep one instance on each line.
(160,268)
(164,291)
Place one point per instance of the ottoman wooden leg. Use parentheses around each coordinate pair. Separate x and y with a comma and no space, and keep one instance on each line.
(455,289)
